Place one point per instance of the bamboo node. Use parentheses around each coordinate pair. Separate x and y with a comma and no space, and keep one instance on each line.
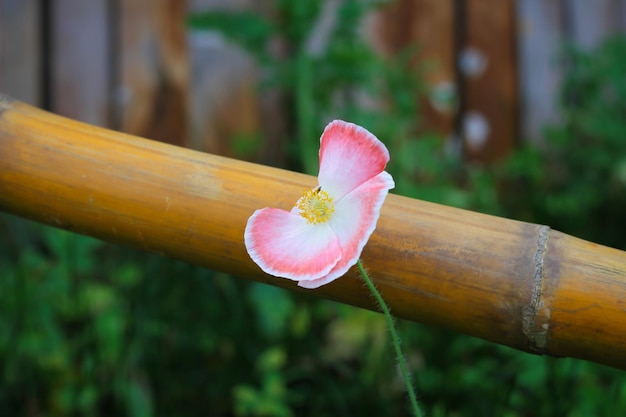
(537,337)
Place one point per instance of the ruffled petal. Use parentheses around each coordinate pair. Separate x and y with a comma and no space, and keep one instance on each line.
(283,244)
(353,222)
(349,156)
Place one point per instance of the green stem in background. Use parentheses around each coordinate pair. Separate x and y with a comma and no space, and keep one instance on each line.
(394,337)
(308,146)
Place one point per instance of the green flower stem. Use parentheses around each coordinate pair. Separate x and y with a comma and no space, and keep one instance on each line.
(394,337)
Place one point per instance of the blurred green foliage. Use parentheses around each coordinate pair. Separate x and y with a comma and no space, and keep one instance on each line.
(577,183)
(88,328)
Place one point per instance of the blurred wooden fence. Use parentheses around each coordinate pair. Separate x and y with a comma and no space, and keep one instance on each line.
(132,65)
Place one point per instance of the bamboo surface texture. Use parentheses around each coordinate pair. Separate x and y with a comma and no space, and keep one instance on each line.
(509,282)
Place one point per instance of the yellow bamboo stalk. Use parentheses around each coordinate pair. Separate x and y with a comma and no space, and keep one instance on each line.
(518,284)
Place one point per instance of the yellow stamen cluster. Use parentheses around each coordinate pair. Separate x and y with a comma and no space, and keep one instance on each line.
(316,206)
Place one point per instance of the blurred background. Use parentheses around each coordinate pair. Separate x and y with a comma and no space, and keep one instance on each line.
(513,108)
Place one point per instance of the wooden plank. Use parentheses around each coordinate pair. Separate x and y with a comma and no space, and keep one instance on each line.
(593,22)
(154,80)
(20,54)
(80,68)
(225,98)
(544,26)
(540,35)
(488,65)
(433,33)
(429,26)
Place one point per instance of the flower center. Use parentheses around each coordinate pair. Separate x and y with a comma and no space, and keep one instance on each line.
(316,206)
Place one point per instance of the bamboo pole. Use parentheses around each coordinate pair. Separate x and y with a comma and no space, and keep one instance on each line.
(518,284)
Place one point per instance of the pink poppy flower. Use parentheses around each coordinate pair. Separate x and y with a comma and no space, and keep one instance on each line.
(323,235)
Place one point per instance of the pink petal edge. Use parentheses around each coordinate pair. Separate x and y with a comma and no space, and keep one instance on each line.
(283,244)
(353,222)
(349,156)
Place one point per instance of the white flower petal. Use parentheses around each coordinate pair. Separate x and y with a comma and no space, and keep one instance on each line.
(349,156)
(283,244)
(353,222)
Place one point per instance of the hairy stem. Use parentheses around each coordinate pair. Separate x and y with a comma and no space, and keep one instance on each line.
(394,337)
